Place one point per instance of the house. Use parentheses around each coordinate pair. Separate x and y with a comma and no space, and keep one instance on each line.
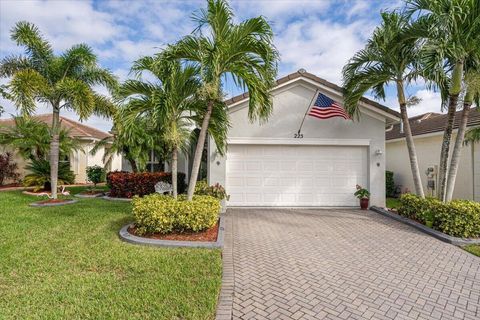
(274,164)
(427,130)
(79,160)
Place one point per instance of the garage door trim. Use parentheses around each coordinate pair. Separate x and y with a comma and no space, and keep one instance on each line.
(303,141)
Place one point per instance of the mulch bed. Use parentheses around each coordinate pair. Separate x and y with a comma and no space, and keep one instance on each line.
(92,192)
(10,185)
(54,201)
(209,235)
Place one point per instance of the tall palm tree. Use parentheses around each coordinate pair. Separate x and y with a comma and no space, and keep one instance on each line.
(62,81)
(472,94)
(168,102)
(451,32)
(387,58)
(221,48)
(31,138)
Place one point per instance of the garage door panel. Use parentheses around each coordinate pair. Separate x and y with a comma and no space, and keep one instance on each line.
(303,176)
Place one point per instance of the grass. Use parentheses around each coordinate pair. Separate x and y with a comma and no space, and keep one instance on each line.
(393,203)
(473,249)
(68,263)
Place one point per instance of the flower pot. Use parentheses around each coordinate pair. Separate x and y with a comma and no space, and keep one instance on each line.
(364,204)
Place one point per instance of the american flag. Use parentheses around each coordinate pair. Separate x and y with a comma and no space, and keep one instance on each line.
(325,108)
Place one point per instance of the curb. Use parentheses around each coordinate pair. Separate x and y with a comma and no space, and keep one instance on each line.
(130,238)
(116,199)
(225,298)
(53,204)
(434,233)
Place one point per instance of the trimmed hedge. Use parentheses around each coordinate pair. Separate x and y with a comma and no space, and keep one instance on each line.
(163,214)
(458,218)
(128,184)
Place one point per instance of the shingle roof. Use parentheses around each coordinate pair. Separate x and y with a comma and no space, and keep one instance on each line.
(431,122)
(77,129)
(302,73)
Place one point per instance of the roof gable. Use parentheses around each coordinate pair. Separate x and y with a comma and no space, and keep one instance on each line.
(302,74)
(76,129)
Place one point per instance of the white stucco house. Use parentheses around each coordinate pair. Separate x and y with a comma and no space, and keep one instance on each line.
(270,165)
(427,130)
(79,160)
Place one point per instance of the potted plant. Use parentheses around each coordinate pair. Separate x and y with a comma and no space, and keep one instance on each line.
(364,196)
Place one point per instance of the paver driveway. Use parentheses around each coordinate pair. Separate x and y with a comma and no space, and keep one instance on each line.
(341,264)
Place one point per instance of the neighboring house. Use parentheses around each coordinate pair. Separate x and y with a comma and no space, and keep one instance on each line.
(79,160)
(427,130)
(270,165)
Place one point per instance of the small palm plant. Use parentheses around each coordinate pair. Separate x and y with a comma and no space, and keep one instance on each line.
(39,178)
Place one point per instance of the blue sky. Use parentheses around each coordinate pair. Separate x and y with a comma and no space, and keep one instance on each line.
(319,36)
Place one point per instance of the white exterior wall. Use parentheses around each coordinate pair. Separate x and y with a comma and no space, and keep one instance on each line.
(289,106)
(428,152)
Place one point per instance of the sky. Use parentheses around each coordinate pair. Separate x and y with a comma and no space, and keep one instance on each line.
(319,36)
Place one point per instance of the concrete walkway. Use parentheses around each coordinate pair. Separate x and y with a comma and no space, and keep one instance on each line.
(341,264)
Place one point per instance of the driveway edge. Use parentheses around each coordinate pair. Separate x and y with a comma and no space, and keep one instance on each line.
(225,299)
(434,233)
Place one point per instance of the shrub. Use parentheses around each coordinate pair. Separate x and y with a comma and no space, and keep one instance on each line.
(216,191)
(459,218)
(389,184)
(129,184)
(40,176)
(163,214)
(95,174)
(8,168)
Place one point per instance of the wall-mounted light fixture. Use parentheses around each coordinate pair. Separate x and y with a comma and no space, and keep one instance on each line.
(378,152)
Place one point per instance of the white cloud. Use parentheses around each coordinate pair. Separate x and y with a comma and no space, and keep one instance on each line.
(64,23)
(321,47)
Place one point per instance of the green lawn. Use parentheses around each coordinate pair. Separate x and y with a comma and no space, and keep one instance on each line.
(473,249)
(68,263)
(393,203)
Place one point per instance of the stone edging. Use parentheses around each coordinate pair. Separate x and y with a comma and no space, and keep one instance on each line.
(128,237)
(79,195)
(434,233)
(225,299)
(117,199)
(52,204)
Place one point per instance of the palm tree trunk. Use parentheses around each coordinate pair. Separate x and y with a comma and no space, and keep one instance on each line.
(412,153)
(455,89)
(174,171)
(454,162)
(133,164)
(54,150)
(197,160)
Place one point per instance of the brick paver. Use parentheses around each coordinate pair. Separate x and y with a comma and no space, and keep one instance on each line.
(341,264)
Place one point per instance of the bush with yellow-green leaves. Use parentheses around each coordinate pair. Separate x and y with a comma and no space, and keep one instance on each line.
(163,214)
(458,218)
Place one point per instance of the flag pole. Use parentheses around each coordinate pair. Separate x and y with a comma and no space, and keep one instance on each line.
(306,112)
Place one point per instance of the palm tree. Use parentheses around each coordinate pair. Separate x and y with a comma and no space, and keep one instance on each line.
(472,93)
(168,102)
(221,48)
(387,58)
(62,81)
(135,142)
(450,30)
(31,138)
